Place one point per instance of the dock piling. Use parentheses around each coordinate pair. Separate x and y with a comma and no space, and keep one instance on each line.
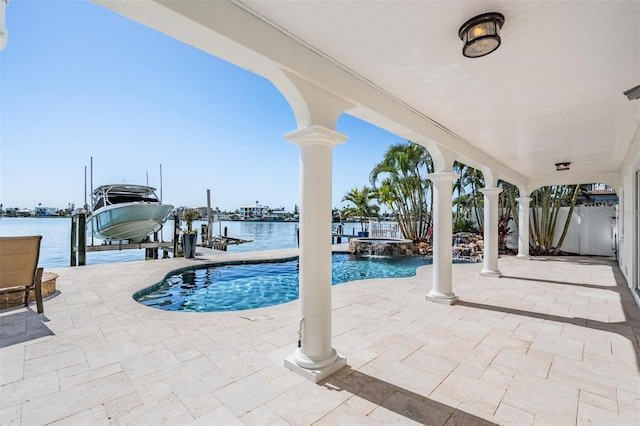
(78,239)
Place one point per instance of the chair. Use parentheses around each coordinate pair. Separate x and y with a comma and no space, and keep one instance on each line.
(19,267)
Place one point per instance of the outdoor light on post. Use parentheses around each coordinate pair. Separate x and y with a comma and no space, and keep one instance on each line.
(481,35)
(562,166)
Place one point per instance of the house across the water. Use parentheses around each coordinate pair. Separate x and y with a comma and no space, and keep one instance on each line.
(46,211)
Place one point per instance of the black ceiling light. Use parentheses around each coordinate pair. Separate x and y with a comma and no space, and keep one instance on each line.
(633,93)
(481,35)
(562,166)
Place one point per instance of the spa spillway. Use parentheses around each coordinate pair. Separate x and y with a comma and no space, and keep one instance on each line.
(381,246)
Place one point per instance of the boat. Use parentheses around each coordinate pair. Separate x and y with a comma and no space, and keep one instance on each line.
(122,212)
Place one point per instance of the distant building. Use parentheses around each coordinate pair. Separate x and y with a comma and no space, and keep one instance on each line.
(23,213)
(255,212)
(275,215)
(46,211)
(204,210)
(600,194)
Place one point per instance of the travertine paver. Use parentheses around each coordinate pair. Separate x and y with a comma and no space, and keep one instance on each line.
(554,341)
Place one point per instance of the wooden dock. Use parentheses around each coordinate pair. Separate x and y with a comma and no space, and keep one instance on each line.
(121,246)
(221,242)
(337,238)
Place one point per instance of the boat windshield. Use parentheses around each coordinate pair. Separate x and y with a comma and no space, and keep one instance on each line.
(109,196)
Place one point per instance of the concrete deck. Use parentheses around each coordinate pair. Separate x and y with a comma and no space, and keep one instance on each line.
(554,341)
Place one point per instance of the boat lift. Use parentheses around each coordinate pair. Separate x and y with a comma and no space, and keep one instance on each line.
(79,247)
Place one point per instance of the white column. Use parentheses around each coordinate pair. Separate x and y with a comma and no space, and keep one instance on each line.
(4,33)
(490,262)
(442,235)
(315,359)
(523,227)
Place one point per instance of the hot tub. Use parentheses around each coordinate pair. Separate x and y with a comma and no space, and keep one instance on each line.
(381,246)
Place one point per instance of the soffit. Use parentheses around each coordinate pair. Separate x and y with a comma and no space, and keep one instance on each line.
(552,92)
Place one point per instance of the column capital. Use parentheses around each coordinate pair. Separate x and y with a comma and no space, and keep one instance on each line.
(315,135)
(438,177)
(522,200)
(491,190)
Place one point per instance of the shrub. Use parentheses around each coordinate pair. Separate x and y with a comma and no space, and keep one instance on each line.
(464,225)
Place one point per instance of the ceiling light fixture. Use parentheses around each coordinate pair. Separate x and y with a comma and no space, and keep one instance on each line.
(633,93)
(481,35)
(562,166)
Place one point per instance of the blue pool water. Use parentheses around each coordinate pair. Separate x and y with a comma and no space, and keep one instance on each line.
(249,286)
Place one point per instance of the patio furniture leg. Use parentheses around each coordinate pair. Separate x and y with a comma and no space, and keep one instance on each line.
(38,290)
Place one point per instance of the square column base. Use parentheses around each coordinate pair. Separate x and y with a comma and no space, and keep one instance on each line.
(442,300)
(315,375)
(490,273)
(523,257)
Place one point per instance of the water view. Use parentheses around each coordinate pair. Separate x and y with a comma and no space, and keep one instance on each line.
(56,238)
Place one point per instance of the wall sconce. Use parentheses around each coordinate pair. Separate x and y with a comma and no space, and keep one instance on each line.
(562,166)
(481,35)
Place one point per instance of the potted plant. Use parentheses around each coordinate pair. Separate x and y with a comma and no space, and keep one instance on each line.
(190,235)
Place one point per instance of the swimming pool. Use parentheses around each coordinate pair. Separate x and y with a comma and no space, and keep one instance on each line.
(256,285)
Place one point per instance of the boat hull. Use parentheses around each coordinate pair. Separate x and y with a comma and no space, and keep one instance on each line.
(128,221)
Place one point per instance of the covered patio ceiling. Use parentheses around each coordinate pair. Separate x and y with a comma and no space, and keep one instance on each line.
(552,92)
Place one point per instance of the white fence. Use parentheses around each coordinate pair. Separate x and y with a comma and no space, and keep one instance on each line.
(592,231)
(384,230)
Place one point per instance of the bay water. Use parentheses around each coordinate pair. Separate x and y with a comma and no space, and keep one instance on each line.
(56,238)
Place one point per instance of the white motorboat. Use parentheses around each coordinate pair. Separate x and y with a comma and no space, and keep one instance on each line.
(126,212)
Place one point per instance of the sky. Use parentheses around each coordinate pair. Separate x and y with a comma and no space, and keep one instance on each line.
(78,81)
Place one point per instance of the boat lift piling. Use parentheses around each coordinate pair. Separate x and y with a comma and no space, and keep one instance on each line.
(78,255)
(218,242)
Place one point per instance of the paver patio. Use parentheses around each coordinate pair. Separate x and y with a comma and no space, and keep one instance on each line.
(554,341)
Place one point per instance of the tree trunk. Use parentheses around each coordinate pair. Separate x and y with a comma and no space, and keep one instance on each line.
(568,221)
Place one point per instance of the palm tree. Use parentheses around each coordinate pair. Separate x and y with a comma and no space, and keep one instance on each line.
(507,200)
(546,208)
(458,187)
(474,180)
(400,183)
(362,209)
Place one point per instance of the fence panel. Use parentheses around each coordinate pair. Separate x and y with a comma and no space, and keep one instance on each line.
(597,235)
(384,230)
(591,231)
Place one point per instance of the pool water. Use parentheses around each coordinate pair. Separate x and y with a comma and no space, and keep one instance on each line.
(256,285)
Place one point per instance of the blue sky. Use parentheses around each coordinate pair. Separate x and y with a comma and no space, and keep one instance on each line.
(79,81)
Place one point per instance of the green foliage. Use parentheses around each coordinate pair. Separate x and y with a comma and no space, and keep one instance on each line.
(362,207)
(546,208)
(464,225)
(400,183)
(469,200)
(503,231)
(189,216)
(507,201)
